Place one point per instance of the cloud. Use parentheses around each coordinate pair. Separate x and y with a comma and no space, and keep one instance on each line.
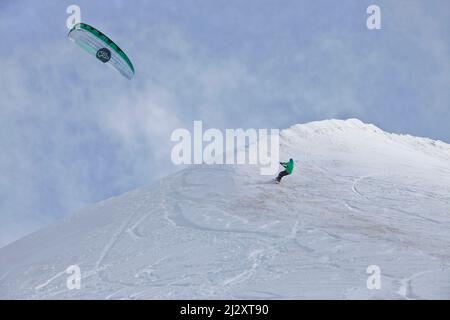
(74,132)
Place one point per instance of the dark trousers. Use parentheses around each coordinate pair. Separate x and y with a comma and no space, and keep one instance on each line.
(282,174)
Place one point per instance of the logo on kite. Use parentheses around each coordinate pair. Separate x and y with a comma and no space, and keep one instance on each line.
(104,55)
(103,48)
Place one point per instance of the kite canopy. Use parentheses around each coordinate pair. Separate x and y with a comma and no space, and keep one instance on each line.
(101,47)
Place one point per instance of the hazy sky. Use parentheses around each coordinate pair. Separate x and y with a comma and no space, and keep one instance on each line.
(73,132)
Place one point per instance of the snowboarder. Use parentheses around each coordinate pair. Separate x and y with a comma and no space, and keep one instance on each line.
(288,166)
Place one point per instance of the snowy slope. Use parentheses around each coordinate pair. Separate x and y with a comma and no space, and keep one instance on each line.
(358,197)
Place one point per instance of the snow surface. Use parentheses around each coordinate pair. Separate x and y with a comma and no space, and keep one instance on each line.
(358,196)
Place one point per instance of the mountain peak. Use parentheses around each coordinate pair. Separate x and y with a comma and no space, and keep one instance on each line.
(324,126)
(355,134)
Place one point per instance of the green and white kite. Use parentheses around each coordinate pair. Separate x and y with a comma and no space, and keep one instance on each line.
(103,48)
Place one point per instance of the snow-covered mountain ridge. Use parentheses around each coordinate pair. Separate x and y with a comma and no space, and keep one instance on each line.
(358,197)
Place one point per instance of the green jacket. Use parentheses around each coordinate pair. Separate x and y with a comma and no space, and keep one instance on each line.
(289,166)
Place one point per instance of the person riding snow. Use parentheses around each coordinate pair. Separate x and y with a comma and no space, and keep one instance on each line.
(288,166)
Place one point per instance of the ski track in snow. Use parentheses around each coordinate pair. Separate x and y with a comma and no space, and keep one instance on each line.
(357,181)
(116,236)
(406,289)
(46,283)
